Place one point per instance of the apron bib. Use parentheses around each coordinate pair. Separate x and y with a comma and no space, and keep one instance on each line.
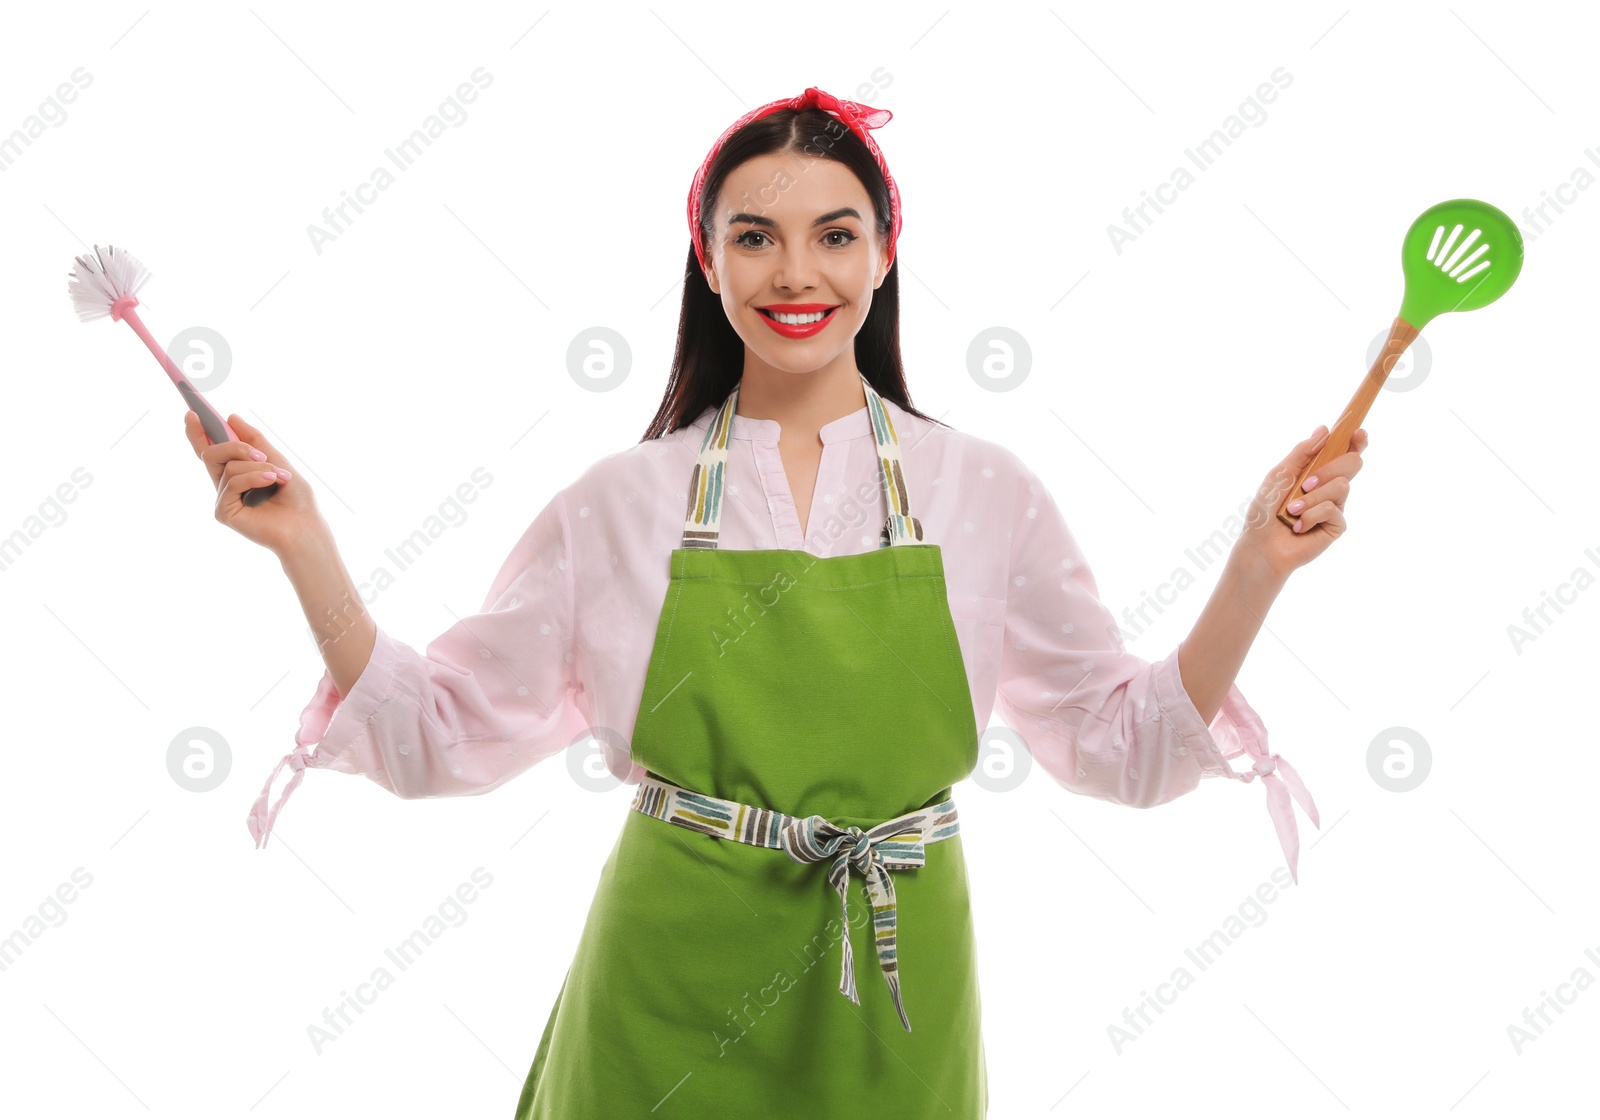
(788,896)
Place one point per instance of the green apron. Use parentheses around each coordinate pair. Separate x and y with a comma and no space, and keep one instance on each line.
(791,701)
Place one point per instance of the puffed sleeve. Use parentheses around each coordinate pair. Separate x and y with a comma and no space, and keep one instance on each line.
(493,694)
(1102,721)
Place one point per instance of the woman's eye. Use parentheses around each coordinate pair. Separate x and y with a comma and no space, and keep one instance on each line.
(844,233)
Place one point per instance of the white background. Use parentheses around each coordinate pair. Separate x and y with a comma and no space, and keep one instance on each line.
(432,335)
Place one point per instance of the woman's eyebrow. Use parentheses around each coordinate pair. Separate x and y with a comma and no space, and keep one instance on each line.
(830,216)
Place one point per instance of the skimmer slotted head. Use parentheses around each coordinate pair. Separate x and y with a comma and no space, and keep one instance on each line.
(1458,256)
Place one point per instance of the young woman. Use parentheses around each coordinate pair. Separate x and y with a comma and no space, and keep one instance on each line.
(794,602)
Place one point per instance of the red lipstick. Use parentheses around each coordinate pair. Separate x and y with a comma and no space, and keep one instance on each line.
(797,330)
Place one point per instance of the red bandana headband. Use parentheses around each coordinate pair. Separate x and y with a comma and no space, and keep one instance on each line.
(856,116)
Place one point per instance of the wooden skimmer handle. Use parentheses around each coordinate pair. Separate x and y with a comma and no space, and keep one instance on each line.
(1401,335)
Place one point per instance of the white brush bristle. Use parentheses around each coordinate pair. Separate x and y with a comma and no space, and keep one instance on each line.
(99,279)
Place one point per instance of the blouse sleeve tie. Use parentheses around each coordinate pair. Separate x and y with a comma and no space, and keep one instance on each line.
(260,820)
(1278,778)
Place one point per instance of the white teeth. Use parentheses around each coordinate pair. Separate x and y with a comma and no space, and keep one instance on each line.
(797,320)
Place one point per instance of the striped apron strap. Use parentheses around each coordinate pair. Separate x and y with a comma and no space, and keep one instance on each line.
(897,844)
(702,521)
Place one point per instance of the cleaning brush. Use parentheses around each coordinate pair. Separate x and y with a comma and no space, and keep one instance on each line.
(104,284)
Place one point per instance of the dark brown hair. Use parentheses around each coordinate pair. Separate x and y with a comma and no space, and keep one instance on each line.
(709,358)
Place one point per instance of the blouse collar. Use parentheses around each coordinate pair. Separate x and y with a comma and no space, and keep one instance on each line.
(852,425)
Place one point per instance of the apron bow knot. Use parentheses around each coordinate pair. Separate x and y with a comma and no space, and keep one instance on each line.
(895,844)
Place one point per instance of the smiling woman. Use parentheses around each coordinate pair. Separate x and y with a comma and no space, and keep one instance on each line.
(809,695)
(834,721)
(790,307)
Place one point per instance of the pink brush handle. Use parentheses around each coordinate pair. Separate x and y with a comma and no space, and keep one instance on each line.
(216,428)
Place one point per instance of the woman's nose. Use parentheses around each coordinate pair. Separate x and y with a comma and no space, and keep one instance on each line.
(796,269)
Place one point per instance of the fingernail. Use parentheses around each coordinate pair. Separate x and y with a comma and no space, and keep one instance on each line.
(1318,430)
(1309,484)
(257,455)
(1296,506)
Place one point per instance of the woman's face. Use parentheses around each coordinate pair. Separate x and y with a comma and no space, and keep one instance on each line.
(785,232)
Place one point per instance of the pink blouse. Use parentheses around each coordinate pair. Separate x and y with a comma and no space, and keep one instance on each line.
(559,650)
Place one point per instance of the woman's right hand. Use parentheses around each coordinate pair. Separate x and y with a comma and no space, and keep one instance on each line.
(280,522)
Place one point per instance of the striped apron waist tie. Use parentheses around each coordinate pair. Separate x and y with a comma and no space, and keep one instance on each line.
(896,844)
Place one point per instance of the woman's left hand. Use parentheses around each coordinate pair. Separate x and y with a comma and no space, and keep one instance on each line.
(1321,518)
